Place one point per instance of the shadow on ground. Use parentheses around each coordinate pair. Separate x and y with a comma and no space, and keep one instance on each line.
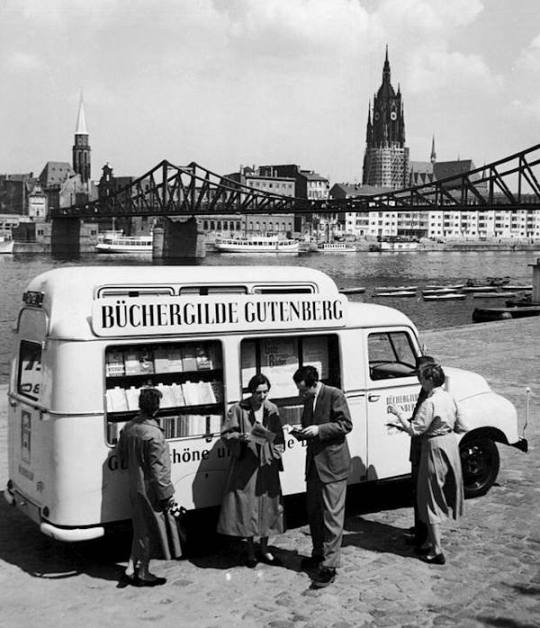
(22,544)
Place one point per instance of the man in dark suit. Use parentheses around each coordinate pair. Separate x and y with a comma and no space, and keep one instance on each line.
(418,534)
(326,421)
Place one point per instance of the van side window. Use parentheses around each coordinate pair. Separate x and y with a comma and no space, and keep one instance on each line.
(279,358)
(188,374)
(29,377)
(391,355)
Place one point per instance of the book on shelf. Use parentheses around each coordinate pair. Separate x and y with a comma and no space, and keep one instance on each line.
(167,396)
(114,364)
(189,358)
(178,395)
(116,399)
(217,388)
(168,425)
(132,397)
(216,421)
(138,361)
(204,358)
(206,393)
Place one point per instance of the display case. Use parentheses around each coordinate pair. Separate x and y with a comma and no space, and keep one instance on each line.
(278,358)
(189,376)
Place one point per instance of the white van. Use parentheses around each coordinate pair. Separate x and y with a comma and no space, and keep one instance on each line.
(90,337)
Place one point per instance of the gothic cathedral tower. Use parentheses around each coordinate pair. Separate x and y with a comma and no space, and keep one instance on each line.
(81,147)
(386,159)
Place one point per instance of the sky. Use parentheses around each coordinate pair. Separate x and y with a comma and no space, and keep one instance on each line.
(226,83)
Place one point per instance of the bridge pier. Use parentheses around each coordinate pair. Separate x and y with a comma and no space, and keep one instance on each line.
(177,239)
(66,237)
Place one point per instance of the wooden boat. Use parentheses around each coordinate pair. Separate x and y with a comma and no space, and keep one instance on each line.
(482,315)
(256,245)
(396,293)
(483,288)
(438,291)
(518,287)
(358,290)
(493,295)
(451,296)
(457,286)
(336,247)
(397,288)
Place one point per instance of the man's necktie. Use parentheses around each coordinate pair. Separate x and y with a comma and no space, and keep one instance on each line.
(308,412)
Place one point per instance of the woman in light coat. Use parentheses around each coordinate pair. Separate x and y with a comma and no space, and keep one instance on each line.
(142,447)
(440,480)
(252,501)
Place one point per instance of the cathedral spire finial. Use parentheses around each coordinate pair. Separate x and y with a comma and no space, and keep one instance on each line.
(433,153)
(386,68)
(81,119)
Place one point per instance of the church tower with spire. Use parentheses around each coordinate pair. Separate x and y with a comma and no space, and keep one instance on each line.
(386,157)
(81,147)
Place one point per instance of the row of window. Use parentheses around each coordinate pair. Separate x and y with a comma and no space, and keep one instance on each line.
(190,375)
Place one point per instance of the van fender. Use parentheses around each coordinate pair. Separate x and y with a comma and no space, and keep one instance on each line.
(491,415)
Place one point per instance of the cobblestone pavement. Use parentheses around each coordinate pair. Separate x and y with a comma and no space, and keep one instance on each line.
(492,577)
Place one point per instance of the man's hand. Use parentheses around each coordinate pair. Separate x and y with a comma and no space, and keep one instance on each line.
(310,431)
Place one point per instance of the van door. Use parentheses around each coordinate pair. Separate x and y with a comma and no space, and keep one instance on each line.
(26,395)
(391,379)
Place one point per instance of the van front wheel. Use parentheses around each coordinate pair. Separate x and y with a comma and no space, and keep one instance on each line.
(480,463)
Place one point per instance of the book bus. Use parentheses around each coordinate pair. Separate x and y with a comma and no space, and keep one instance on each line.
(89,339)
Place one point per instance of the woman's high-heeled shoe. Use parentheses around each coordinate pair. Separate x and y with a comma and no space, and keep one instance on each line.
(436,559)
(423,550)
(270,559)
(154,581)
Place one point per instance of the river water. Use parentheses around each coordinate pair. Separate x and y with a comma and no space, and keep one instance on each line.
(372,270)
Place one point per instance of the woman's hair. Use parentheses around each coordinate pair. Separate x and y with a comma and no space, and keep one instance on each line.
(149,399)
(434,373)
(307,374)
(256,381)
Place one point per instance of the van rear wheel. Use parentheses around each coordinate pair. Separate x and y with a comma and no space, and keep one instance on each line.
(480,463)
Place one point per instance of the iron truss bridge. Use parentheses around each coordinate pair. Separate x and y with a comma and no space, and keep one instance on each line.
(169,190)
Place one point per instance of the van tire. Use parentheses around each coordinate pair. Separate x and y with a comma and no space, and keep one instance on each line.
(480,464)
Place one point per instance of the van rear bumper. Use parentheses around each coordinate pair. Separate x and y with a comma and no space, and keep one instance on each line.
(71,535)
(31,510)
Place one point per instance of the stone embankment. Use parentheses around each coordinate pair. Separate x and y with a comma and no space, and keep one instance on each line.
(492,577)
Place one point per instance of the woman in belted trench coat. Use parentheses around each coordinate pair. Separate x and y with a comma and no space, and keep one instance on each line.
(252,501)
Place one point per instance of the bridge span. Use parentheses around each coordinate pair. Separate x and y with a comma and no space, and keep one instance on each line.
(188,191)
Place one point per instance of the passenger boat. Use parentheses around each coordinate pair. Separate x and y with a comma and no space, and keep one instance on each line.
(450,296)
(357,290)
(255,245)
(6,244)
(398,243)
(336,247)
(117,243)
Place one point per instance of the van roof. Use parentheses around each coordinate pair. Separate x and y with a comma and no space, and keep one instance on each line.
(85,280)
(70,293)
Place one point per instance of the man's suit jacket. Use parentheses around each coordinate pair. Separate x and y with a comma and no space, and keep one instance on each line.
(329,450)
